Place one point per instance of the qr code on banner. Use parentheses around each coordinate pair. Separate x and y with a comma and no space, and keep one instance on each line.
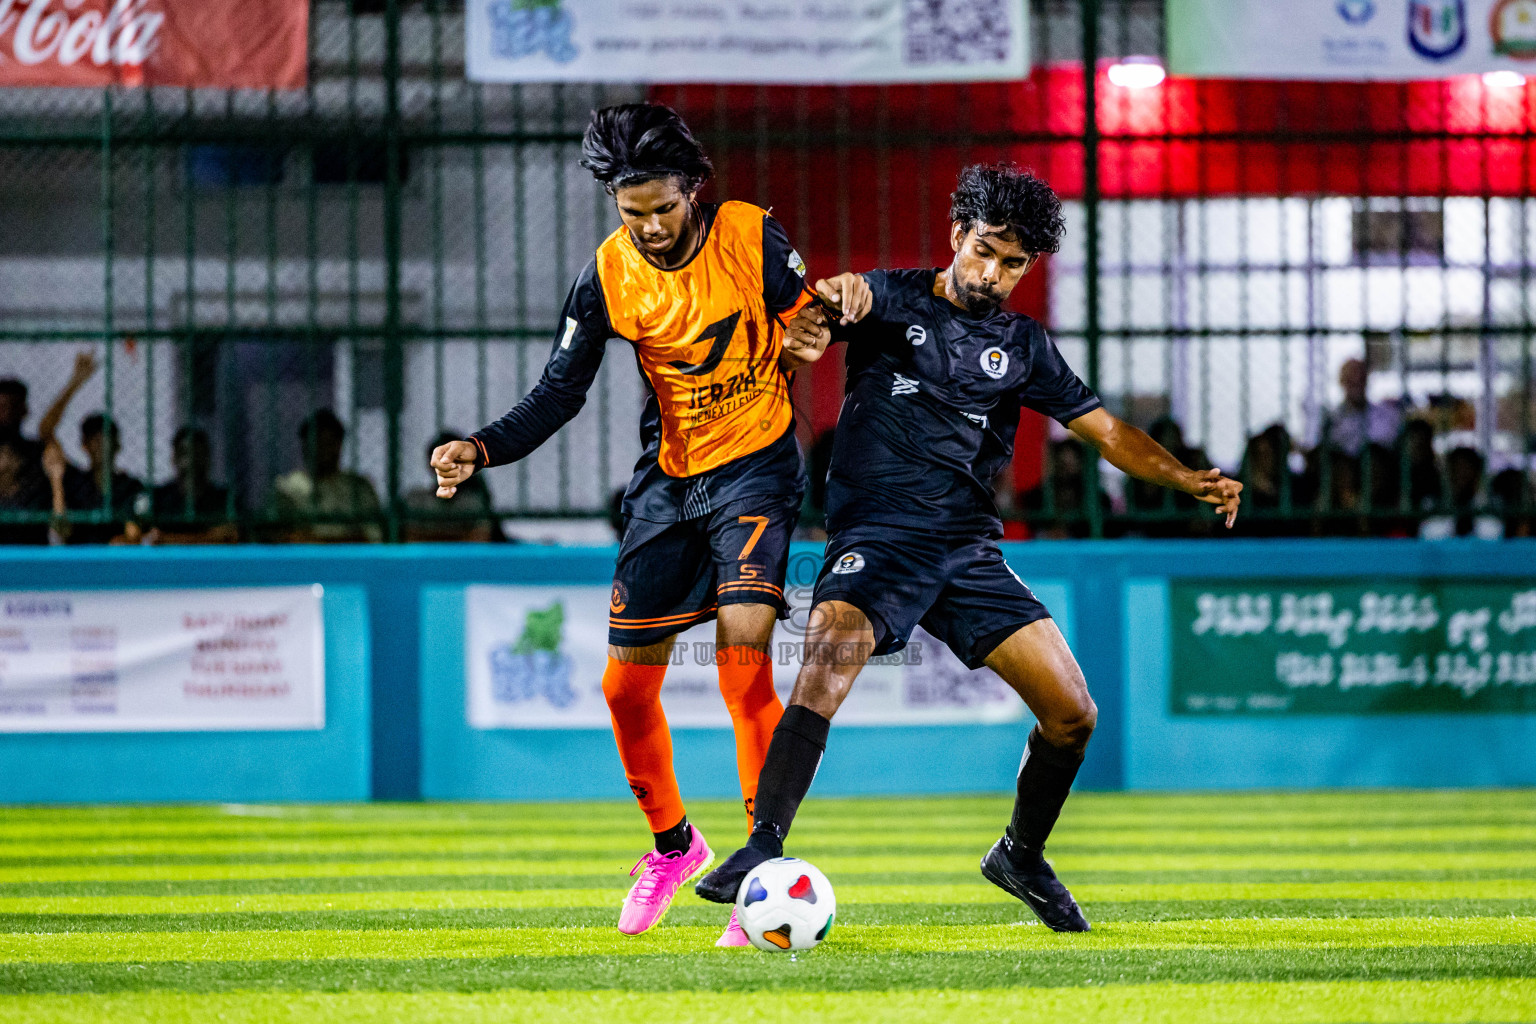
(957,31)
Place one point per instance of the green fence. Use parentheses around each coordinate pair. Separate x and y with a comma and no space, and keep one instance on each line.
(393,243)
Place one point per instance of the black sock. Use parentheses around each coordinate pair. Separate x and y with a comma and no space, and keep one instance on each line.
(676,839)
(793,757)
(1045,779)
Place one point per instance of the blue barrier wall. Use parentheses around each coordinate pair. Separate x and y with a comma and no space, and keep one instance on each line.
(395,696)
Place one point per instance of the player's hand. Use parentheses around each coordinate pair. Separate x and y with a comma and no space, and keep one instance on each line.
(848,294)
(806,337)
(1222,491)
(453,463)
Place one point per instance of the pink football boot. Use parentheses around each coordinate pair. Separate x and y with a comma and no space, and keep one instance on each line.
(733,936)
(661,875)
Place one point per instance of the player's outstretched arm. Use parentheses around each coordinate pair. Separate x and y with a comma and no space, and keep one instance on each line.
(806,337)
(1132,451)
(849,295)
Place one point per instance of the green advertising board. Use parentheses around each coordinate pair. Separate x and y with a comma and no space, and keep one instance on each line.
(1267,647)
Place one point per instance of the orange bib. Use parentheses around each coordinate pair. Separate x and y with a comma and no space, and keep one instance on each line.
(707,343)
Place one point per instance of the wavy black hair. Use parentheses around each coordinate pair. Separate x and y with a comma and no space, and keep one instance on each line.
(633,143)
(1004,194)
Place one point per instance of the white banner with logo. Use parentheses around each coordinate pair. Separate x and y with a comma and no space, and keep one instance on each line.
(1350,39)
(535,659)
(162,660)
(780,41)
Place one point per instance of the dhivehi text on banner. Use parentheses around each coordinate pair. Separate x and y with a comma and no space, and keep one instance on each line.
(777,41)
(162,660)
(535,658)
(225,44)
(1324,647)
(1349,39)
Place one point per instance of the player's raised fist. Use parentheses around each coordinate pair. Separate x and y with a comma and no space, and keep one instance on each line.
(453,463)
(848,294)
(1225,493)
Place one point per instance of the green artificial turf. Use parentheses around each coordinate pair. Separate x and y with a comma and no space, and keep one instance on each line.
(1311,907)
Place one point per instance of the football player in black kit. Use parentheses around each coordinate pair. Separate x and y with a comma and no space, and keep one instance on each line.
(937,374)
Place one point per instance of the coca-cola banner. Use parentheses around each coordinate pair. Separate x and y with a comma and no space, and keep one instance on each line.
(229,44)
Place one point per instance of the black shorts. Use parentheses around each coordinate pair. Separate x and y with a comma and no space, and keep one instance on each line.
(674,575)
(956,587)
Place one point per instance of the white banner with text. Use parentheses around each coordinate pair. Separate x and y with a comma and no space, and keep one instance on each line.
(1393,40)
(780,41)
(535,658)
(162,660)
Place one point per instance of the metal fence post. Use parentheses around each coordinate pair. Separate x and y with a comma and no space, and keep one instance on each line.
(394,356)
(1091,231)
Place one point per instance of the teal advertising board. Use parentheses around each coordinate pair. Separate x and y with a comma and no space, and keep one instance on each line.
(1275,647)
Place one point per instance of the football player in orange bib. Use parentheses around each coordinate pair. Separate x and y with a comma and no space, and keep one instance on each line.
(713,299)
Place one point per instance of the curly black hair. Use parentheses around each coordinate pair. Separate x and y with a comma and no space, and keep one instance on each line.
(1006,194)
(633,143)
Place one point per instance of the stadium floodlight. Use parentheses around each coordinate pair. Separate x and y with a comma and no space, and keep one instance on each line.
(1503,79)
(1137,73)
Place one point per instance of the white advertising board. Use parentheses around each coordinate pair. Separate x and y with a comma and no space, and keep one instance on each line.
(778,41)
(162,660)
(534,659)
(1393,40)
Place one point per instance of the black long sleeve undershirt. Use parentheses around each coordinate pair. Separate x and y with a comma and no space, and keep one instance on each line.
(561,392)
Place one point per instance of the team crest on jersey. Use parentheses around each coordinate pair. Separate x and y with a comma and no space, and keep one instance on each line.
(796,263)
(851,562)
(994,362)
(619,599)
(1437,29)
(916,334)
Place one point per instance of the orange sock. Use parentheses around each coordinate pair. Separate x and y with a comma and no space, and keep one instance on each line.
(645,743)
(746,682)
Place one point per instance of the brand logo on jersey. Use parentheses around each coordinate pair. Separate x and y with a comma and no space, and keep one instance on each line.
(721,331)
(994,362)
(851,562)
(903,385)
(916,334)
(1437,29)
(796,263)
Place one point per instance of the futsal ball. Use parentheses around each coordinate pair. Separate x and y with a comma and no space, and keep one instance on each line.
(785,905)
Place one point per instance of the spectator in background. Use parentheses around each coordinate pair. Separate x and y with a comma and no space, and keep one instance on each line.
(448,519)
(191,495)
(1464,475)
(1146,499)
(101,486)
(1058,508)
(323,490)
(1510,492)
(1267,478)
(1357,421)
(13,413)
(23,489)
(14,408)
(1426,486)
